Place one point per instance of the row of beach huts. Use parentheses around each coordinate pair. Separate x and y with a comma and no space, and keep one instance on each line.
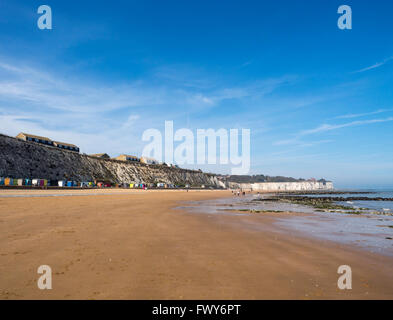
(11,182)
(43,183)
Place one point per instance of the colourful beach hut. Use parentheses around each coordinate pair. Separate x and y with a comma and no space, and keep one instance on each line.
(1,181)
(20,182)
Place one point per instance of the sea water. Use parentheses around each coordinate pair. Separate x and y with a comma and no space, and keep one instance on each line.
(381,206)
(373,232)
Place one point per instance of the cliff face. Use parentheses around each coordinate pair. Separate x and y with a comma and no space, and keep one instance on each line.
(285,186)
(20,159)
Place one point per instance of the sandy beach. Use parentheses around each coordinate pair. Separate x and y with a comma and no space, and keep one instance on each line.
(126,244)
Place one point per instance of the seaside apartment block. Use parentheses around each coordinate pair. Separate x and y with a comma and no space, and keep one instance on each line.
(126,157)
(46,141)
(66,146)
(34,138)
(148,160)
(100,155)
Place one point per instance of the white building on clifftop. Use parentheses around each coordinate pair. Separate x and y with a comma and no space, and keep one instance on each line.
(287,186)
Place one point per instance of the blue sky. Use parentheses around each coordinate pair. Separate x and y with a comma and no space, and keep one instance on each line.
(318,100)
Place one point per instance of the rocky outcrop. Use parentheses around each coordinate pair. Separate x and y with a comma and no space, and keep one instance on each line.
(21,159)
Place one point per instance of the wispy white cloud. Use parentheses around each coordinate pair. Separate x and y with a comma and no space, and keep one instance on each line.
(374,66)
(100,116)
(331,127)
(132,118)
(78,95)
(247,63)
(300,143)
(358,115)
(297,138)
(34,86)
(91,115)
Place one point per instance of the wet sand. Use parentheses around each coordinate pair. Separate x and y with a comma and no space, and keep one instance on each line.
(120,244)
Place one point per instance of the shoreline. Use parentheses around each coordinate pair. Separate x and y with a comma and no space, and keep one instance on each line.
(350,204)
(367,231)
(138,246)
